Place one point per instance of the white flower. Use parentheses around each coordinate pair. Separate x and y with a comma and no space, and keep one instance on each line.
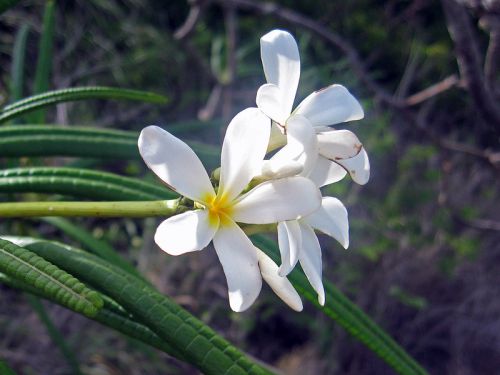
(325,154)
(243,150)
(298,241)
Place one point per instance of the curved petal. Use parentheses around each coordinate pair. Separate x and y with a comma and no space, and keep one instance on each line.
(280,169)
(302,144)
(189,231)
(331,219)
(238,257)
(281,62)
(310,260)
(277,200)
(358,167)
(290,241)
(269,99)
(338,144)
(243,151)
(175,163)
(280,285)
(326,172)
(332,105)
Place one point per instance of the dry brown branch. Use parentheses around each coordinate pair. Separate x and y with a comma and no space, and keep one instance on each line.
(469,62)
(491,23)
(191,20)
(430,92)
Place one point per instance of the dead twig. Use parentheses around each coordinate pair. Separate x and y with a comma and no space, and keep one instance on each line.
(469,62)
(431,91)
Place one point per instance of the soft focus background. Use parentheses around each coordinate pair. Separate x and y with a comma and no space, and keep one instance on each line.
(424,259)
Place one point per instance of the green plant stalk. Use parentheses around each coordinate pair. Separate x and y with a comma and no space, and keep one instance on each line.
(54,333)
(165,208)
(44,64)
(18,59)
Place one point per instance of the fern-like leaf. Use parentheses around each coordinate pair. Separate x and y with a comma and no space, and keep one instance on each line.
(22,264)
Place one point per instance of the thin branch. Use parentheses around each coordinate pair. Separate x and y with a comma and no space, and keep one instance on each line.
(469,62)
(491,23)
(191,20)
(431,91)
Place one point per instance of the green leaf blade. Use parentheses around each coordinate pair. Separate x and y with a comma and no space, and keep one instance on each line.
(35,102)
(22,264)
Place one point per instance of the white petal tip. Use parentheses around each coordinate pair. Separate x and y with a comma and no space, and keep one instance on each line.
(297,306)
(321,299)
(239,304)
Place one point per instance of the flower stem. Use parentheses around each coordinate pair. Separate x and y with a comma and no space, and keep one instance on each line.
(163,208)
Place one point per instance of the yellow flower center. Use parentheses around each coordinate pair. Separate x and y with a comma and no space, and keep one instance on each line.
(219,209)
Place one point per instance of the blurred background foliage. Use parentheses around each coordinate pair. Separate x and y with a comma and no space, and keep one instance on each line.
(424,259)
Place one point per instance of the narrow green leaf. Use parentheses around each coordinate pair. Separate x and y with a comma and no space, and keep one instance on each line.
(89,242)
(81,183)
(112,317)
(339,308)
(199,345)
(29,140)
(54,334)
(28,267)
(35,102)
(44,63)
(18,60)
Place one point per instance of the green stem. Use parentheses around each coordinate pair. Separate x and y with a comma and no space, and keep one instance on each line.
(93,209)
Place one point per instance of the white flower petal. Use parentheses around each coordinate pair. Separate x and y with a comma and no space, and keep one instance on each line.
(243,151)
(277,200)
(280,285)
(281,62)
(238,257)
(358,167)
(302,144)
(281,168)
(326,172)
(332,220)
(269,99)
(290,241)
(175,163)
(338,144)
(189,231)
(310,260)
(332,105)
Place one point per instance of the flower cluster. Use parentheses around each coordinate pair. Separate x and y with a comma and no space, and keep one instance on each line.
(285,189)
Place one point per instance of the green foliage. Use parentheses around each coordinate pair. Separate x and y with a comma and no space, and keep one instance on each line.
(33,270)
(339,308)
(44,140)
(32,103)
(80,183)
(18,63)
(44,64)
(197,343)
(408,299)
(4,368)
